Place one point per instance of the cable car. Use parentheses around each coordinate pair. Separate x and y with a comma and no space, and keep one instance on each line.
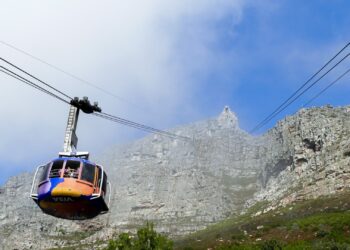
(71,186)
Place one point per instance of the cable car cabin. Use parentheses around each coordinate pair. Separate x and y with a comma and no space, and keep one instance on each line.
(71,188)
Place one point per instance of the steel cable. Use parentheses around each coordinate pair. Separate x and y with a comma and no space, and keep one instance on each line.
(276,111)
(69,74)
(102,115)
(28,82)
(326,88)
(140,126)
(46,84)
(292,100)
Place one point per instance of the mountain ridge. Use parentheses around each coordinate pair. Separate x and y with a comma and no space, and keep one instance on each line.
(185,186)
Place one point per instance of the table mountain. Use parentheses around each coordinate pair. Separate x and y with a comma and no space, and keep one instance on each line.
(183,186)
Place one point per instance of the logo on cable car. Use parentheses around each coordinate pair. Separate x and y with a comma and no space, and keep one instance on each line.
(62,199)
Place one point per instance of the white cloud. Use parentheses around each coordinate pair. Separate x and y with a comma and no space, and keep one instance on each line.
(151,53)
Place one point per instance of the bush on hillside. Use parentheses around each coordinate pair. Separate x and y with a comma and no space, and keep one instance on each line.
(146,239)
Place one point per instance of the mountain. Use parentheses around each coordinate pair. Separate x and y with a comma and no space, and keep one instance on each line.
(184,186)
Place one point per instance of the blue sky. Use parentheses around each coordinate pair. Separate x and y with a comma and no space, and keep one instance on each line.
(176,62)
(279,48)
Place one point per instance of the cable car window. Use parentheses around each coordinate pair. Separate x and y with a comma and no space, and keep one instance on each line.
(104,184)
(72,169)
(44,173)
(56,168)
(99,176)
(88,173)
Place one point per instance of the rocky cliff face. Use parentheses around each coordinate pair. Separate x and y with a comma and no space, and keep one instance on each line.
(311,156)
(181,185)
(185,185)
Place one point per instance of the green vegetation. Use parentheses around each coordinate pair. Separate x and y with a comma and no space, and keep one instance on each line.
(146,239)
(323,223)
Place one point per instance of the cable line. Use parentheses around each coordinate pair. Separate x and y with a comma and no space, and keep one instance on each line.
(46,84)
(136,124)
(326,88)
(102,115)
(68,74)
(30,83)
(272,115)
(140,126)
(291,100)
(295,98)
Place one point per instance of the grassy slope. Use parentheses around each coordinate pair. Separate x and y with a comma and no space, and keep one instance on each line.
(323,223)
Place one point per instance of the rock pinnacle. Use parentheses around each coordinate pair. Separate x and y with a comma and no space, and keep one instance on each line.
(227,118)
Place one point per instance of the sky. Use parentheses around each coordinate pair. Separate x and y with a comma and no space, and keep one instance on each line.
(163,63)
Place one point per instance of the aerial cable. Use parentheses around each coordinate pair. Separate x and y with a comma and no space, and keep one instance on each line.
(301,87)
(124,123)
(130,125)
(295,98)
(68,74)
(102,115)
(326,88)
(287,104)
(30,83)
(140,126)
(143,126)
(26,81)
(272,115)
(46,84)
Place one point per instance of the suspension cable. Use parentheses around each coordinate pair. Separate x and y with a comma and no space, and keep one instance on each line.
(102,115)
(30,83)
(276,111)
(140,126)
(273,115)
(137,124)
(326,88)
(46,84)
(81,80)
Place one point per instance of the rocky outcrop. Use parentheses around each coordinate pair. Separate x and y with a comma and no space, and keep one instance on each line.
(311,156)
(183,186)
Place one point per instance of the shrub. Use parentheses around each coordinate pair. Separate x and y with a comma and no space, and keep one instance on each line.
(271,245)
(146,239)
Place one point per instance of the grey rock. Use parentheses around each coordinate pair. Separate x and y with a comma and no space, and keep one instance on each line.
(184,186)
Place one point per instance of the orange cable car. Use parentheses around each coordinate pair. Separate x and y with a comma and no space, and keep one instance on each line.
(71,188)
